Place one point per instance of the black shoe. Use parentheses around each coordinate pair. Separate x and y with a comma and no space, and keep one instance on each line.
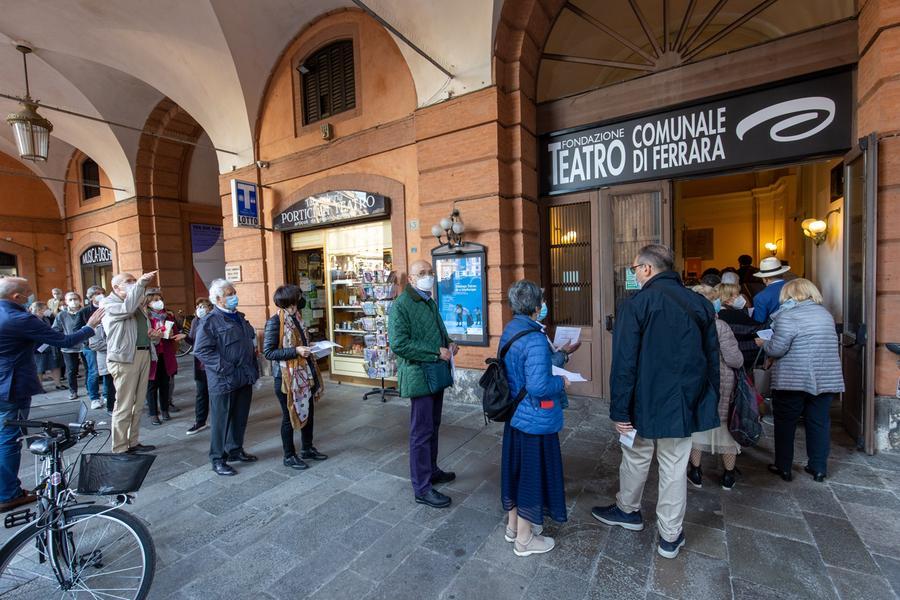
(783,474)
(695,476)
(434,499)
(312,454)
(242,457)
(141,448)
(166,416)
(196,428)
(440,477)
(155,421)
(221,468)
(817,477)
(173,408)
(728,479)
(294,462)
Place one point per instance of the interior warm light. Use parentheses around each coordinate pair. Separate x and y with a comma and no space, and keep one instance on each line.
(818,227)
(771,247)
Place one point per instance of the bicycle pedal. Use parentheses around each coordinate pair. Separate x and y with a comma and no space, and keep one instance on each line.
(18,517)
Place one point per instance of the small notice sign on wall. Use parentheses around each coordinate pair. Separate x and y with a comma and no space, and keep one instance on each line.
(233,273)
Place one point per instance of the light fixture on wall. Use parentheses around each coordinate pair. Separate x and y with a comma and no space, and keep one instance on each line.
(817,229)
(31,130)
(773,246)
(452,227)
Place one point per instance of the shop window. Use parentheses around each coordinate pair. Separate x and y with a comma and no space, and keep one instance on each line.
(327,82)
(570,264)
(90,179)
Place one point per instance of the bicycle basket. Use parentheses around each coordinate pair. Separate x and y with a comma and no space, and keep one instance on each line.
(110,474)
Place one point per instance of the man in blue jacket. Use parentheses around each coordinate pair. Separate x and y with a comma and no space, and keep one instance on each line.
(664,386)
(20,331)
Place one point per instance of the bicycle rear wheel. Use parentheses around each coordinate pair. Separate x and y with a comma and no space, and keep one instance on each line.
(102,553)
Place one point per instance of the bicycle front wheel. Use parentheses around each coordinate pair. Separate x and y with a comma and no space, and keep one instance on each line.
(99,553)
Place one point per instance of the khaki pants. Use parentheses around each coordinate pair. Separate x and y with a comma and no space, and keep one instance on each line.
(672,455)
(131,389)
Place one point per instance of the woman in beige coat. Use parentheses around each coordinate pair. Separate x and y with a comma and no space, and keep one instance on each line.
(719,440)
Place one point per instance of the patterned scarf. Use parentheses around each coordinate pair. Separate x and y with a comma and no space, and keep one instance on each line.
(298,379)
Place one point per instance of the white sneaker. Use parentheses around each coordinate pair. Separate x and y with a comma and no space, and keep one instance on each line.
(95,404)
(536,545)
(511,535)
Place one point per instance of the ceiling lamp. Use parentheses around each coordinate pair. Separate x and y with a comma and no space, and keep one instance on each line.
(31,130)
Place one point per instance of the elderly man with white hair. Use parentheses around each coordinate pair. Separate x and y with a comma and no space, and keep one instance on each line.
(226,345)
(20,332)
(129,350)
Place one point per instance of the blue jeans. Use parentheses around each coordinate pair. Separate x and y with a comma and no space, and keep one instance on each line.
(11,448)
(91,379)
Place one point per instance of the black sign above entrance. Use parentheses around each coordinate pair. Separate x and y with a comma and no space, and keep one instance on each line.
(788,122)
(331,208)
(96,256)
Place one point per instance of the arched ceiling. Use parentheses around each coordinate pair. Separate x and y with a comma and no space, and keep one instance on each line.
(117,60)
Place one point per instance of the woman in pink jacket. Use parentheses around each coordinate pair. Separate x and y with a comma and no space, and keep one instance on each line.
(166,365)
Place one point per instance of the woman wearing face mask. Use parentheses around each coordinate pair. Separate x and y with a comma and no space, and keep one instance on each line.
(806,376)
(166,364)
(69,321)
(718,440)
(201,405)
(48,360)
(298,384)
(742,325)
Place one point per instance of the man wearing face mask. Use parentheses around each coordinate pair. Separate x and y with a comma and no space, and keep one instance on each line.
(129,351)
(93,297)
(664,387)
(69,321)
(423,348)
(226,345)
(20,333)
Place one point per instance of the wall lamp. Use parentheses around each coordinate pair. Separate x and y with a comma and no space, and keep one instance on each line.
(452,227)
(773,246)
(817,229)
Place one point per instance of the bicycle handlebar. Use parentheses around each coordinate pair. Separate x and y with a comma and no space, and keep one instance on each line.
(49,426)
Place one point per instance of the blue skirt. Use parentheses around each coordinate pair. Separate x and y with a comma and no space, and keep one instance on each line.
(531,475)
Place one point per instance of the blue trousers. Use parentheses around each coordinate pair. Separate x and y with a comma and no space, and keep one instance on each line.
(11,448)
(424,423)
(787,406)
(91,379)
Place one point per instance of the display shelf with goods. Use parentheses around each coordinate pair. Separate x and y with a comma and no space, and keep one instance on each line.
(308,272)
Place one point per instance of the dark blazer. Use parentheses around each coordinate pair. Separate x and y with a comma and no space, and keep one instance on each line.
(20,332)
(665,366)
(225,347)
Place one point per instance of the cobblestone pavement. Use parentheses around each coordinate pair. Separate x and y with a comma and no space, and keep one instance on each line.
(348,526)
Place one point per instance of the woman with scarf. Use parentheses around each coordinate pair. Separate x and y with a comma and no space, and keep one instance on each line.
(166,365)
(298,384)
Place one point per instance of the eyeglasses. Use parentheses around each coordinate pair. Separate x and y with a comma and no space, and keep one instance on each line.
(633,268)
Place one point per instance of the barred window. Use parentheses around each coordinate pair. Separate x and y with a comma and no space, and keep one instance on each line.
(327,82)
(90,179)
(570,264)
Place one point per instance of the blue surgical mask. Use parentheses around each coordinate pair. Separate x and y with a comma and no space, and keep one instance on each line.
(789,303)
(543,312)
(231,302)
(717,305)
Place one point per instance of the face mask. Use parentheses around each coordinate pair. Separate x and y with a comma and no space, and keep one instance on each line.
(48,313)
(425,283)
(789,303)
(97,299)
(739,303)
(30,300)
(127,287)
(231,302)
(201,311)
(157,305)
(542,314)
(73,303)
(717,305)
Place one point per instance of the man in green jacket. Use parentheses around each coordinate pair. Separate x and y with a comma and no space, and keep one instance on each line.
(418,337)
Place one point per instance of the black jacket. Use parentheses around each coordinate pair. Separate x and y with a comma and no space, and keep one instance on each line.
(665,366)
(273,351)
(744,329)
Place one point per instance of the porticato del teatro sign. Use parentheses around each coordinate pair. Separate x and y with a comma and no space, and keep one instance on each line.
(331,208)
(800,119)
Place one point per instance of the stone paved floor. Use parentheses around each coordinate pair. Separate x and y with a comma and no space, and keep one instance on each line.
(348,528)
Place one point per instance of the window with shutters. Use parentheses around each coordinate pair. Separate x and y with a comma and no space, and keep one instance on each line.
(327,82)
(90,179)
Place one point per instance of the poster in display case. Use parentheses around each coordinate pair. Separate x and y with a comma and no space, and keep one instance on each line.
(461,292)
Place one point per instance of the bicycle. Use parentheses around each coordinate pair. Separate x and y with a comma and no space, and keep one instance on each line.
(71,548)
(184,346)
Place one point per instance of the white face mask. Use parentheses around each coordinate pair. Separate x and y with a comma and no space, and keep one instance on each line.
(425,283)
(201,311)
(73,303)
(739,303)
(48,313)
(157,305)
(97,299)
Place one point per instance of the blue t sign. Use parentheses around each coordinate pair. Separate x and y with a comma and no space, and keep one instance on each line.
(244,204)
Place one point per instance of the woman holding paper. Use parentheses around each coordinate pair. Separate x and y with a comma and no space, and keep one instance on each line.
(298,384)
(805,377)
(166,364)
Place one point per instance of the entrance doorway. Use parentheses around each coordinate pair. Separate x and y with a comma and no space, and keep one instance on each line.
(96,267)
(8,265)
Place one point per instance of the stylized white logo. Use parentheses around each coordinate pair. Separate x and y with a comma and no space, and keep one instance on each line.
(808,109)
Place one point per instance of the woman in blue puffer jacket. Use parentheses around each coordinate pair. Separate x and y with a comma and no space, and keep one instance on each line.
(531,468)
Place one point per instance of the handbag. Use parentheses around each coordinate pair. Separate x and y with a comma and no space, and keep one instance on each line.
(437,375)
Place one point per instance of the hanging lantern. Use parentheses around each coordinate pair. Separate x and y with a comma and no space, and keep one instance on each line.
(30,130)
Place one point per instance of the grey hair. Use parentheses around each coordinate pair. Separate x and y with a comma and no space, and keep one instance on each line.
(71,293)
(660,257)
(93,290)
(524,297)
(9,286)
(217,289)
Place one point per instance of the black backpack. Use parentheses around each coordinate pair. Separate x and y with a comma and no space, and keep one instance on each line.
(495,398)
(743,411)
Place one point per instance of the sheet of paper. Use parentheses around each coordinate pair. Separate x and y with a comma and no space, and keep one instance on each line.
(566,334)
(765,334)
(43,348)
(318,314)
(627,439)
(572,377)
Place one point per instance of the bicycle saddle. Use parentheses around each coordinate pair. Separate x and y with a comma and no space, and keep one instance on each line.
(893,347)
(44,446)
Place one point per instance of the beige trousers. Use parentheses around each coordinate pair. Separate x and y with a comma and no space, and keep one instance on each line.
(131,390)
(672,455)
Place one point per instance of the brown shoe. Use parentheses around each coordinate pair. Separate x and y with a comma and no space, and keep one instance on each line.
(24,498)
